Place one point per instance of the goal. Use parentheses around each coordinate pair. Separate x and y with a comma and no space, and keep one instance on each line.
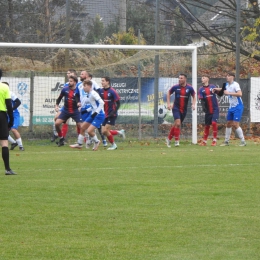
(140,74)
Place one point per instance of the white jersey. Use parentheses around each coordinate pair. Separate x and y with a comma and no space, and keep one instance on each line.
(234,102)
(13,98)
(96,102)
(95,86)
(83,95)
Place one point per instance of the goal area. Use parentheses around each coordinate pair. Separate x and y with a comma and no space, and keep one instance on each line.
(141,75)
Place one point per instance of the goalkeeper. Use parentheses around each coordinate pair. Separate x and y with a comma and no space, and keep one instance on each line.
(209,103)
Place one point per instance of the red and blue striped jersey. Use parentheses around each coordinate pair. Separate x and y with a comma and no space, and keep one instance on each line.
(182,95)
(70,104)
(110,97)
(209,97)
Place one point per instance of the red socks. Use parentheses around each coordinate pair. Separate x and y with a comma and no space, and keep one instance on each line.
(110,139)
(113,132)
(215,129)
(177,133)
(171,134)
(64,129)
(206,132)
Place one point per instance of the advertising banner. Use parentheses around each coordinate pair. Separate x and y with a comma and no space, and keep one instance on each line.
(21,88)
(47,89)
(255,100)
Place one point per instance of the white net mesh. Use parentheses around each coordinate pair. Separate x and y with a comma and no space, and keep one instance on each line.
(37,75)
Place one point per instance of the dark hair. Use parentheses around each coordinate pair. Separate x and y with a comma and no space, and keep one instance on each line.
(6,83)
(1,73)
(182,74)
(230,73)
(107,79)
(90,75)
(74,78)
(87,82)
(72,71)
(204,75)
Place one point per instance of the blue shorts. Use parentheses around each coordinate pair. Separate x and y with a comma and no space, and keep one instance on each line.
(209,118)
(97,121)
(178,115)
(84,113)
(84,116)
(16,121)
(235,114)
(64,115)
(109,121)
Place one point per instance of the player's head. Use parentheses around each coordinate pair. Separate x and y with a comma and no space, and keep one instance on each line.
(73,80)
(105,82)
(205,80)
(1,73)
(230,76)
(87,85)
(83,75)
(182,79)
(90,76)
(71,72)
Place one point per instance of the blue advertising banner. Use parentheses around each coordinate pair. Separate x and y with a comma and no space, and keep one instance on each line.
(127,88)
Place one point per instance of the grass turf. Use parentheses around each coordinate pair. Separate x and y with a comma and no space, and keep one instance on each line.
(142,201)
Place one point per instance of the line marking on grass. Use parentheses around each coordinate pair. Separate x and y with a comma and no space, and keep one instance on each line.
(149,167)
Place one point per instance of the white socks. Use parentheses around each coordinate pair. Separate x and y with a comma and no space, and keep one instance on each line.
(94,138)
(11,140)
(228,133)
(240,134)
(81,139)
(18,141)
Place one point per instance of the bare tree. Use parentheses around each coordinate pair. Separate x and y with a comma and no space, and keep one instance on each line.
(218,22)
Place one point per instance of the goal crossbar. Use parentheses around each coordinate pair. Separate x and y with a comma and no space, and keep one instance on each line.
(97,46)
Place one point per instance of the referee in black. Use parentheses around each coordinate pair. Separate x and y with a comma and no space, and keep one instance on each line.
(5,109)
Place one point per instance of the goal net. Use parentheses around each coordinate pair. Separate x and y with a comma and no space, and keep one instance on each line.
(140,74)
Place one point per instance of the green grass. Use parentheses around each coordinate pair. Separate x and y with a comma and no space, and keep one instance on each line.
(142,201)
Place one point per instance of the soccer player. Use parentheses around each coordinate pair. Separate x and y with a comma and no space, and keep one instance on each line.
(14,129)
(182,92)
(209,105)
(70,109)
(84,75)
(112,104)
(94,119)
(5,109)
(235,111)
(70,72)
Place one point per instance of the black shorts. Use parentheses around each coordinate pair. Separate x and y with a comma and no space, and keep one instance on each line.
(109,121)
(209,118)
(178,115)
(4,132)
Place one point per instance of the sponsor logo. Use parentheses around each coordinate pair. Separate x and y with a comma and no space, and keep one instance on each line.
(22,88)
(58,87)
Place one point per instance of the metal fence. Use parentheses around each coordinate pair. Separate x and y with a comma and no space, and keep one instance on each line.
(38,93)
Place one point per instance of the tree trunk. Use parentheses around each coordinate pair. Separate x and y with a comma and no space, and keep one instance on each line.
(122,16)
(10,21)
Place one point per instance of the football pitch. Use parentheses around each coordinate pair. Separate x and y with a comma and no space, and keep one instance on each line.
(141,201)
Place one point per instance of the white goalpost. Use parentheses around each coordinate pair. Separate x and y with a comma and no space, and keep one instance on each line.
(191,49)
